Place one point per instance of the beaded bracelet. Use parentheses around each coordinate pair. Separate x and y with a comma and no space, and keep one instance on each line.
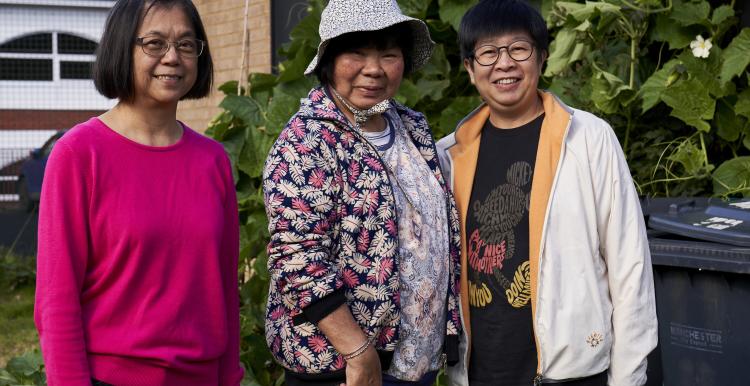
(359,351)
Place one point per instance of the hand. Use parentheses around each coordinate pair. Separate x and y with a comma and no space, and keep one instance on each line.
(364,370)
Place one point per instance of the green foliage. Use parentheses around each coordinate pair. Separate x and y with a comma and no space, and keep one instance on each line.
(677,115)
(16,271)
(18,337)
(24,370)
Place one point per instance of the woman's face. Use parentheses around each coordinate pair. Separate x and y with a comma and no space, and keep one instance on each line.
(163,80)
(509,87)
(366,76)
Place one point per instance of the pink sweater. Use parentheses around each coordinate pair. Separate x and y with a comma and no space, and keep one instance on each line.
(137,264)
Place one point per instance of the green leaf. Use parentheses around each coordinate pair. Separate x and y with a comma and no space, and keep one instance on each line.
(260,82)
(408,93)
(706,71)
(280,110)
(229,88)
(253,154)
(591,9)
(689,13)
(609,92)
(727,123)
(690,102)
(26,365)
(560,52)
(664,30)
(295,68)
(233,144)
(583,27)
(456,111)
(721,14)
(736,56)
(220,125)
(432,88)
(652,88)
(746,140)
(452,11)
(414,8)
(742,107)
(689,156)
(733,176)
(438,65)
(242,107)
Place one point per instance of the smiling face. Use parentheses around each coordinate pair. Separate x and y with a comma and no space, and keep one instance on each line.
(367,76)
(163,80)
(508,87)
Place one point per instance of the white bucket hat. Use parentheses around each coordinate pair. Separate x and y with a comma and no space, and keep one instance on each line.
(343,16)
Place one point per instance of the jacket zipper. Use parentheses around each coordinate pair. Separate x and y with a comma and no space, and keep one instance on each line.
(539,378)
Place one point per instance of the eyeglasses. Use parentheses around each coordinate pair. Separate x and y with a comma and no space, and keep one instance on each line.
(488,55)
(153,46)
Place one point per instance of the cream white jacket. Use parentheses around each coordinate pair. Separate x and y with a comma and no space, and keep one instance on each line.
(592,292)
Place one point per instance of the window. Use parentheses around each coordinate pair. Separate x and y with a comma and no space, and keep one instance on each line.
(47,57)
(71,44)
(31,44)
(25,69)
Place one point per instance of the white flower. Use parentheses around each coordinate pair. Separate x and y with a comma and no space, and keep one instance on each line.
(701,47)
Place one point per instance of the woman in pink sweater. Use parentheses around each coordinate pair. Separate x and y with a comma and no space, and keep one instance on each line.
(138,224)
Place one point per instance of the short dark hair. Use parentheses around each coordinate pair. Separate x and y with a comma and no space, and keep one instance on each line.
(496,17)
(399,35)
(113,68)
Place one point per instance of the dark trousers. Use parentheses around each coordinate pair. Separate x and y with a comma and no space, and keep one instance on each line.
(338,378)
(594,380)
(427,380)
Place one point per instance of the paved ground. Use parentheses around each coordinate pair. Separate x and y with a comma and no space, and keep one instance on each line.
(12,222)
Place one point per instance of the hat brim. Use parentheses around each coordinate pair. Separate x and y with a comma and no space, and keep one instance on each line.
(421,49)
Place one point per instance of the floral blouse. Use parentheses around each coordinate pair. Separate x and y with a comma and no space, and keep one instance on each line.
(423,255)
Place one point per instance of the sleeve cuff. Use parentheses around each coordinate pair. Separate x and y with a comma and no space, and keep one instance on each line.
(314,312)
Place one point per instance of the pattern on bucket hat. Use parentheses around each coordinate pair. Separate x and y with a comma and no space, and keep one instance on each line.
(344,16)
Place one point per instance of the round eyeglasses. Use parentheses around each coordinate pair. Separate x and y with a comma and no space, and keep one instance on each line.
(488,55)
(153,46)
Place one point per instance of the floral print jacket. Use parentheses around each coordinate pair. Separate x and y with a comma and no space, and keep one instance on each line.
(333,226)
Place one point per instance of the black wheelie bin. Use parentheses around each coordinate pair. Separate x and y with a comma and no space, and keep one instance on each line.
(700,251)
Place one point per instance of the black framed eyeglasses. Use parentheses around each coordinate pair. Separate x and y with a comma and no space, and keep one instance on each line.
(488,55)
(155,46)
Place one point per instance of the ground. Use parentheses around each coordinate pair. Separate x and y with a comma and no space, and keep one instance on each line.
(17,332)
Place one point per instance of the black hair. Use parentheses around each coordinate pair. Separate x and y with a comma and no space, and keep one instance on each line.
(113,68)
(496,17)
(399,35)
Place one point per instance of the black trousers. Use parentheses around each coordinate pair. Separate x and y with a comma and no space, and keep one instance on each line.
(594,380)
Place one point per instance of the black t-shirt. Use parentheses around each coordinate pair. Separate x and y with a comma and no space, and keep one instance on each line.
(503,351)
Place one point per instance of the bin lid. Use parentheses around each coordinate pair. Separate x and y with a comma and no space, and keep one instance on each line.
(719,222)
(713,236)
(700,255)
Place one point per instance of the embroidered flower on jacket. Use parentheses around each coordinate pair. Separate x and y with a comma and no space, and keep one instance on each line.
(594,339)
(701,47)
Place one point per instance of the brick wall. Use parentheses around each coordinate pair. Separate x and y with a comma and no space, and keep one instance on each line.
(224,21)
(43,119)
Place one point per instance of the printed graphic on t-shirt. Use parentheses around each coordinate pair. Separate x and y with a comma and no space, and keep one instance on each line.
(494,241)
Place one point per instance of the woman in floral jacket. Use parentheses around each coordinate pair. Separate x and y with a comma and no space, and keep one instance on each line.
(364,244)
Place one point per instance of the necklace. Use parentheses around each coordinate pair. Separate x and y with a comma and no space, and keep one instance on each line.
(361,116)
